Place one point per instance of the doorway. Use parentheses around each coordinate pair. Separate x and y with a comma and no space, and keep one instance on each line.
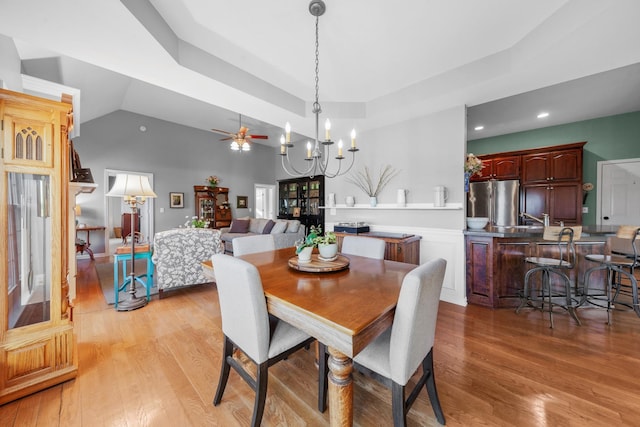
(265,197)
(114,207)
(618,192)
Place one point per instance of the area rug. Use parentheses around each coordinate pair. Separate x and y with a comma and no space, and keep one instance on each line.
(105,275)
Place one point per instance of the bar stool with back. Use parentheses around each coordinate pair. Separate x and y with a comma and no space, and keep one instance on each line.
(620,261)
(559,263)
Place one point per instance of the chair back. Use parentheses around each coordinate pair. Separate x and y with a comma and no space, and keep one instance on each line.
(624,243)
(565,238)
(252,244)
(363,246)
(414,323)
(242,305)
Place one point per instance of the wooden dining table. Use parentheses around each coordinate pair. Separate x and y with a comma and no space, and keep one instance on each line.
(345,310)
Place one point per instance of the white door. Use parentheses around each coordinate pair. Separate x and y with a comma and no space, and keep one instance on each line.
(265,200)
(618,192)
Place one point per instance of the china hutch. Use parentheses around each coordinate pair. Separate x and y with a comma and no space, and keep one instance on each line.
(37,344)
(212,205)
(302,199)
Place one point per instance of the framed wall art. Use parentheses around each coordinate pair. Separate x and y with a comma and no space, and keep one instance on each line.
(176,200)
(242,202)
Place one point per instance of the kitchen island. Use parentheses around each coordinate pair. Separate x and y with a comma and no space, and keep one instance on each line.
(495,260)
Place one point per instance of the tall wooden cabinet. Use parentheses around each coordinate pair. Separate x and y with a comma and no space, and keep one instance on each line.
(301,199)
(552,183)
(212,204)
(37,348)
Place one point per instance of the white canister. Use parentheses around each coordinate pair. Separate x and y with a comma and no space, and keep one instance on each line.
(331,200)
(439,196)
(350,201)
(402,198)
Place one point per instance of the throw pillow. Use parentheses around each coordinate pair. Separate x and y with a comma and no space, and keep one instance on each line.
(293,226)
(239,226)
(268,227)
(279,227)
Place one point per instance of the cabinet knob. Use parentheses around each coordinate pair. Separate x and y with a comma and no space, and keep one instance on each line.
(605,217)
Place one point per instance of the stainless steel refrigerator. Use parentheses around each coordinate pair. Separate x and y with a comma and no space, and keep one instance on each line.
(497,200)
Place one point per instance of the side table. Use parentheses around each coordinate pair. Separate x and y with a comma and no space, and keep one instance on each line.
(123,254)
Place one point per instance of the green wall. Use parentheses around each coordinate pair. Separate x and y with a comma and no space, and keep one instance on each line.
(608,138)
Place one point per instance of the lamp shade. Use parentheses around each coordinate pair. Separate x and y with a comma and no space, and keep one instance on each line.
(127,185)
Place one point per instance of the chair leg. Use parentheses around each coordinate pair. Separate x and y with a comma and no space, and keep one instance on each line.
(262,376)
(546,286)
(397,405)
(224,370)
(323,372)
(427,366)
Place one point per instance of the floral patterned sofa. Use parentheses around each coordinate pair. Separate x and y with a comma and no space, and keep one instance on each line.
(177,255)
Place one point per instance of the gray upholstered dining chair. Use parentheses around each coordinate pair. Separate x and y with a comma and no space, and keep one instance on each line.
(246,326)
(397,353)
(363,246)
(252,244)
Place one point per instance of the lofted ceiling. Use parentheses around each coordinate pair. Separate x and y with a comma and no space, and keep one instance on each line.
(201,62)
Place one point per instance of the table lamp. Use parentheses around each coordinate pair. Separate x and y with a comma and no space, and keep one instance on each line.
(134,189)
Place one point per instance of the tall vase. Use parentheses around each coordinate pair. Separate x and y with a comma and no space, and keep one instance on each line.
(373,201)
(467,176)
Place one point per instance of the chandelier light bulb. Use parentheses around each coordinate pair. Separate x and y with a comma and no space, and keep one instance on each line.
(340,148)
(353,138)
(287,129)
(309,149)
(327,129)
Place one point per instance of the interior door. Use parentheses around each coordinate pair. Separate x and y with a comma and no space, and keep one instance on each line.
(618,192)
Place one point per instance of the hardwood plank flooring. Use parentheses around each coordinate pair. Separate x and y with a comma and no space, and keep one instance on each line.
(159,365)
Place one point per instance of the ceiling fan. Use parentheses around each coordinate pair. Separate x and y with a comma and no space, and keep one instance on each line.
(241,139)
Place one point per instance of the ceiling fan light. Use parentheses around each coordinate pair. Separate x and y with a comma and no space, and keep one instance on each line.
(235,146)
(246,147)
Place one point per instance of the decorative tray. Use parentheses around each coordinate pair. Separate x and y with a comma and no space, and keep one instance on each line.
(317,265)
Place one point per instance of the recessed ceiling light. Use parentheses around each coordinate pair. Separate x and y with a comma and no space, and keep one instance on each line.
(143,128)
(543,115)
(479,127)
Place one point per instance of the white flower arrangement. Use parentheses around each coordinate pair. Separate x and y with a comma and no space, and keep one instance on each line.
(473,165)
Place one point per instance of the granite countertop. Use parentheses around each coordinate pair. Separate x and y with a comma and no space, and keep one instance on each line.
(536,231)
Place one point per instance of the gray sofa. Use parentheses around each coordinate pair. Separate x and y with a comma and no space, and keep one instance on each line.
(284,232)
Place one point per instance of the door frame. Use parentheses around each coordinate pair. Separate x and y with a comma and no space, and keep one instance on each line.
(599,183)
(272,199)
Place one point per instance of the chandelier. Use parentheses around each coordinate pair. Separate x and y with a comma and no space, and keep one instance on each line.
(317,153)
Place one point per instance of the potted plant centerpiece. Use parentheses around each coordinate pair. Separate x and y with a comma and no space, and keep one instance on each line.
(327,245)
(305,246)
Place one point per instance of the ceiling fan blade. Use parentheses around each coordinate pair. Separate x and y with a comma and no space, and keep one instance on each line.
(224,132)
(227,139)
(258,136)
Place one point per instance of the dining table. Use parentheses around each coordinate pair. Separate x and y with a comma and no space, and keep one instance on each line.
(345,309)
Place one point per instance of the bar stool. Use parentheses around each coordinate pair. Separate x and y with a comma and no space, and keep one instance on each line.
(559,266)
(620,262)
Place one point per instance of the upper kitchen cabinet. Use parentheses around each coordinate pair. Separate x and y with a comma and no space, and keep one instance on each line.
(499,167)
(553,165)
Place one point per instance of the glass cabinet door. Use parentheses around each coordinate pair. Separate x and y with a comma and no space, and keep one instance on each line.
(28,249)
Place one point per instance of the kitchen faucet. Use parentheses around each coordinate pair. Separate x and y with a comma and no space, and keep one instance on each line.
(544,221)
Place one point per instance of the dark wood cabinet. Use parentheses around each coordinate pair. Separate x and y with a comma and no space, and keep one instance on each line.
(507,167)
(552,184)
(496,266)
(552,166)
(212,204)
(398,247)
(302,199)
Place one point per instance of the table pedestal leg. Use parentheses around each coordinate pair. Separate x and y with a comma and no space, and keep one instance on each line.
(340,389)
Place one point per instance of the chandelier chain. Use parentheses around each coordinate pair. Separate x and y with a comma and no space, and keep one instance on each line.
(316,105)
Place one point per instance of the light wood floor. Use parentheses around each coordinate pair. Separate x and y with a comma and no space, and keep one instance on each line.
(158,366)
